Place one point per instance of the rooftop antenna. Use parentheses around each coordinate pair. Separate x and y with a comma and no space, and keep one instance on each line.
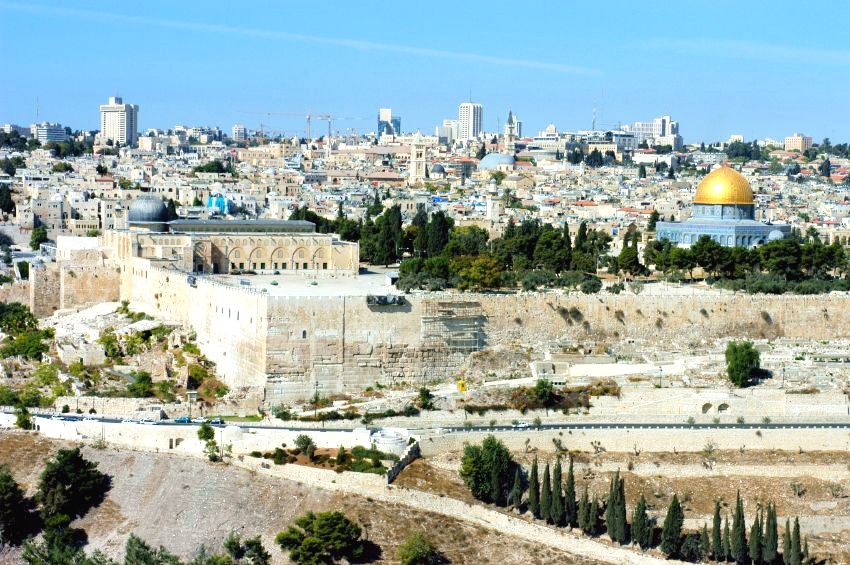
(593,121)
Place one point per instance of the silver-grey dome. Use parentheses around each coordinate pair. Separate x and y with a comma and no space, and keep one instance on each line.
(147,208)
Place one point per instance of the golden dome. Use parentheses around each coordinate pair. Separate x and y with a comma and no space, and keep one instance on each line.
(724,186)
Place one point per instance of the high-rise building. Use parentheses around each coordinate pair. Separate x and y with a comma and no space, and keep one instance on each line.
(798,142)
(660,131)
(46,132)
(470,121)
(239,133)
(119,122)
(387,123)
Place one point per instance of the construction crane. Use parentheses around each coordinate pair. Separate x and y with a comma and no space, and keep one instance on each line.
(330,119)
(294,114)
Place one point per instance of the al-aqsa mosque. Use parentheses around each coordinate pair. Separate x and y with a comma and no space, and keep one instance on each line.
(724,210)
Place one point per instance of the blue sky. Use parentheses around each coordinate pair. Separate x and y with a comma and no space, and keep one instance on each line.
(760,69)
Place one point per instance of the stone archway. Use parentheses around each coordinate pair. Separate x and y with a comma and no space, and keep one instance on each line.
(706,408)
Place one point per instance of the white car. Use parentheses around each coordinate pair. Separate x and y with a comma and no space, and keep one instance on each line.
(521,425)
(148,422)
(199,420)
(128,421)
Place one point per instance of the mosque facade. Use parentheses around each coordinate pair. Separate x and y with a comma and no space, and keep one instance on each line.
(724,210)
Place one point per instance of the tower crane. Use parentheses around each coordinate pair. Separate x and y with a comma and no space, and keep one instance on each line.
(330,118)
(294,114)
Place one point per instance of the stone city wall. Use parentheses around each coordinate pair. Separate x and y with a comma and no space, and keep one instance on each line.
(15,291)
(44,290)
(649,440)
(83,286)
(344,344)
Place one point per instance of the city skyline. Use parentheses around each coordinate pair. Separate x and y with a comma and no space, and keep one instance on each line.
(736,70)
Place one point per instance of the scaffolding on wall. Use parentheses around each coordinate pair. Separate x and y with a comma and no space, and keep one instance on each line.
(456,325)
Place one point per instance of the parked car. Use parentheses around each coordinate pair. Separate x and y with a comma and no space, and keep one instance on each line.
(182,420)
(217,422)
(198,420)
(128,421)
(57,418)
(521,425)
(148,422)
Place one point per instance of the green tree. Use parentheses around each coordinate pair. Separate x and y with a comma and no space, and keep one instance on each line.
(23,419)
(584,521)
(641,525)
(70,485)
(487,470)
(795,556)
(704,543)
(671,533)
(642,171)
(557,505)
(305,444)
(482,151)
(534,490)
(770,544)
(14,510)
(756,534)
(716,534)
(206,432)
(7,205)
(570,507)
(594,159)
(138,552)
(727,539)
(142,385)
(546,496)
(653,220)
(37,237)
(418,549)
(738,541)
(742,361)
(515,495)
(825,168)
(325,537)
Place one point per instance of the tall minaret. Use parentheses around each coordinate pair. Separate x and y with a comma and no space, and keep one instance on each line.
(510,133)
(416,171)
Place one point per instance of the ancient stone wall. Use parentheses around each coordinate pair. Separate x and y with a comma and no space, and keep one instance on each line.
(16,291)
(648,440)
(44,290)
(83,286)
(345,344)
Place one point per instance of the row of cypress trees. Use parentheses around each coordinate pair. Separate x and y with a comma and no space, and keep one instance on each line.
(554,500)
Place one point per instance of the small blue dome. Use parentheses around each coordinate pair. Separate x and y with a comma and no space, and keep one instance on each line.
(438,168)
(495,160)
(775,235)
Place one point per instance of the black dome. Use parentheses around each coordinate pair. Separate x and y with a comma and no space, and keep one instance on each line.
(438,169)
(147,208)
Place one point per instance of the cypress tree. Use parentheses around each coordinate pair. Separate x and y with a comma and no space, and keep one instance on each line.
(786,543)
(534,491)
(593,519)
(641,526)
(570,510)
(620,513)
(727,544)
(611,507)
(671,533)
(795,558)
(546,497)
(755,540)
(805,558)
(770,544)
(716,539)
(557,514)
(515,496)
(738,541)
(704,544)
(584,512)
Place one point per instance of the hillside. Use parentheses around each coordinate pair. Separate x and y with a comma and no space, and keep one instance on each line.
(182,502)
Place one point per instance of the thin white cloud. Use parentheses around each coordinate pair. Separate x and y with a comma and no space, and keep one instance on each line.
(296,37)
(742,49)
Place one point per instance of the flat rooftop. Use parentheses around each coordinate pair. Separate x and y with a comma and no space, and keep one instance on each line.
(291,284)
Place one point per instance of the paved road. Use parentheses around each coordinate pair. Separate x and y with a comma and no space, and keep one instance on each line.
(501,428)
